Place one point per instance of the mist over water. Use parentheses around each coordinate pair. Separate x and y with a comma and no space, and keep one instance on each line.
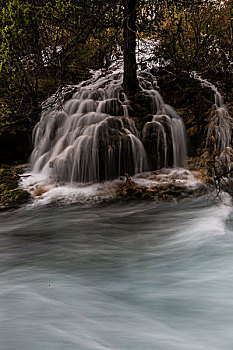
(127,275)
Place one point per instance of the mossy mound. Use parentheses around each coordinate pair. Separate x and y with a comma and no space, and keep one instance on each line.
(162,192)
(10,194)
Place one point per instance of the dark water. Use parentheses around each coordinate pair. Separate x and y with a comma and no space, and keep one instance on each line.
(119,276)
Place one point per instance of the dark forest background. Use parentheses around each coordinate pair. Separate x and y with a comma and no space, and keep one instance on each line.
(48,44)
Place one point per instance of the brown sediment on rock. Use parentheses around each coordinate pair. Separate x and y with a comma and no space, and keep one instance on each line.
(202,167)
(162,191)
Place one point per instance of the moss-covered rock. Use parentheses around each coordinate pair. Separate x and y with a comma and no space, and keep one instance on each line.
(10,194)
(161,192)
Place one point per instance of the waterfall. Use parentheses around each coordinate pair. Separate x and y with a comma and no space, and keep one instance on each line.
(167,132)
(220,123)
(91,137)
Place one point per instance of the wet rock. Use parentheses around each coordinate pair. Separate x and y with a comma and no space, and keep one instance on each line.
(10,194)
(161,192)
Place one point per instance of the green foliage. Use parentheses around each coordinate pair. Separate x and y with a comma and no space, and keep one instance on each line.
(55,41)
(46,43)
(197,35)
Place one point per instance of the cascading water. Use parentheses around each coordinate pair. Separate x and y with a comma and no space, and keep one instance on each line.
(167,131)
(219,133)
(220,124)
(91,137)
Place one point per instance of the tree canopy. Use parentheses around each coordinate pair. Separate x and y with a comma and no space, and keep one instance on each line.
(48,43)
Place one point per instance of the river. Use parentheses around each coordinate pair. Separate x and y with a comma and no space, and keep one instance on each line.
(117,276)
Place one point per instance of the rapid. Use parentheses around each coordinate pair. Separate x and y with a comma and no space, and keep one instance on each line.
(125,275)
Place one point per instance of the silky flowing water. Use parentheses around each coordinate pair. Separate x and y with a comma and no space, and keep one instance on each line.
(102,274)
(121,275)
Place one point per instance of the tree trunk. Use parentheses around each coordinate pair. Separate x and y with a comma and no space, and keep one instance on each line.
(130,81)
